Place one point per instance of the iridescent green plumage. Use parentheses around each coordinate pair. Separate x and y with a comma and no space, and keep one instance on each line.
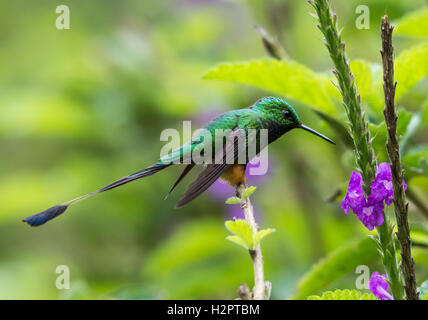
(271,114)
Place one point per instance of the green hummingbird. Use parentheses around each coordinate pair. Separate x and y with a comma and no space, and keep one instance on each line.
(269,114)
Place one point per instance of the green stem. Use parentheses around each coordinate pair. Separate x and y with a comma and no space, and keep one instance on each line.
(387,250)
(358,126)
(259,289)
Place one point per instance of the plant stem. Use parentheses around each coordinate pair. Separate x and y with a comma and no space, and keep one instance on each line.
(256,255)
(360,133)
(400,205)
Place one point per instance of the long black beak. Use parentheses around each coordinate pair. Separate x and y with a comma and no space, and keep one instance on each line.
(302,126)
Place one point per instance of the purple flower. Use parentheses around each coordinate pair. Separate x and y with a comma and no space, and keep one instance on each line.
(369,208)
(379,287)
(370,213)
(354,197)
(381,187)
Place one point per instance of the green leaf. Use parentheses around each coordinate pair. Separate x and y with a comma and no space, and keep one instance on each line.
(261,234)
(242,230)
(335,265)
(423,290)
(314,89)
(238,241)
(344,295)
(285,77)
(367,75)
(413,24)
(248,192)
(416,161)
(424,112)
(416,121)
(419,233)
(411,66)
(233,200)
(380,135)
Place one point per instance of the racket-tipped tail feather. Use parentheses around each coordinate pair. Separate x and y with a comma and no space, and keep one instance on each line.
(43,217)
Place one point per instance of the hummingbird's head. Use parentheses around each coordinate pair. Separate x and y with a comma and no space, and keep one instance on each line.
(283,115)
(278,111)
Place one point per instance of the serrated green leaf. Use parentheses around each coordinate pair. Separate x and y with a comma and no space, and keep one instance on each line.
(413,24)
(411,66)
(248,192)
(367,75)
(344,295)
(285,77)
(335,265)
(314,89)
(261,234)
(233,200)
(238,241)
(243,230)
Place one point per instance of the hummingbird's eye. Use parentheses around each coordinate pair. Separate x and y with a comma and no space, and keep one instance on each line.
(287,114)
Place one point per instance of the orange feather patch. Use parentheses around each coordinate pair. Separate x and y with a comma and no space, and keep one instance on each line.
(234,175)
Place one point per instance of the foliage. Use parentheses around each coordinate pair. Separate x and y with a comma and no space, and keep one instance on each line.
(344,295)
(315,89)
(285,77)
(233,200)
(414,24)
(244,234)
(247,192)
(335,265)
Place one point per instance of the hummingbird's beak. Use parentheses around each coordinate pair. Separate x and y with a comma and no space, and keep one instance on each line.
(302,126)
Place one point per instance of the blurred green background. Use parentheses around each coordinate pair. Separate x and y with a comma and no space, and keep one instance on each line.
(80,108)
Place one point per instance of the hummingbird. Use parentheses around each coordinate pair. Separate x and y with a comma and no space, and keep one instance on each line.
(274,115)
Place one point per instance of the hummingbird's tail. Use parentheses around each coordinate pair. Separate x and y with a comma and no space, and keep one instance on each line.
(45,216)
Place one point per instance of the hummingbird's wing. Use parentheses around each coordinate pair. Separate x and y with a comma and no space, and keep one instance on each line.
(207,177)
(225,121)
(182,175)
(212,172)
(242,120)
